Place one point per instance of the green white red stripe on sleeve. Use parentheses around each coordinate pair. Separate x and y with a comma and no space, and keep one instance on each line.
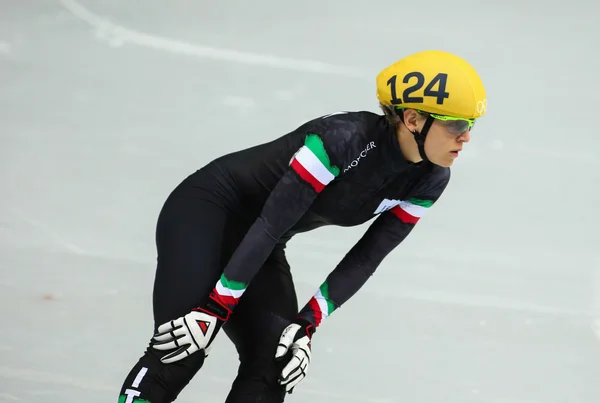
(320,304)
(411,210)
(312,163)
(229,292)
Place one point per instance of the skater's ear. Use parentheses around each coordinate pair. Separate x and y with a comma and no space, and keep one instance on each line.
(412,119)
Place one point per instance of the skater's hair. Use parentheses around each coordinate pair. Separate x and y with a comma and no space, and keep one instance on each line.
(393,115)
(390,114)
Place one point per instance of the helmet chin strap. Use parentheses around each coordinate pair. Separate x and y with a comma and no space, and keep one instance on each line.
(420,137)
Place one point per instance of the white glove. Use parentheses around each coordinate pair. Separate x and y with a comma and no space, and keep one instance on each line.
(296,339)
(190,333)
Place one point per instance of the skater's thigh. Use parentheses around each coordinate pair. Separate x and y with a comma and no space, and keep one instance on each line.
(267,306)
(190,235)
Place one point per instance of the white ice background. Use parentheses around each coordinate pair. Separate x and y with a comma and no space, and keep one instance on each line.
(106,105)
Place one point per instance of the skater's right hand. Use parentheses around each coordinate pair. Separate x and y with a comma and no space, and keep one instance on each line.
(190,333)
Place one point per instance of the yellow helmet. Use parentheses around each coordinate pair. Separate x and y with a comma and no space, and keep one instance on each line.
(433,81)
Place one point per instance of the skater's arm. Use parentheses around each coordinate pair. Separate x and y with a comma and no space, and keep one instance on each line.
(353,271)
(310,170)
(360,263)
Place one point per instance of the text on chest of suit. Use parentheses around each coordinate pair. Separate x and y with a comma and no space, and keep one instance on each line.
(362,155)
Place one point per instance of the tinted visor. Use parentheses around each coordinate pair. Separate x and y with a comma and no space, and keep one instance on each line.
(457,127)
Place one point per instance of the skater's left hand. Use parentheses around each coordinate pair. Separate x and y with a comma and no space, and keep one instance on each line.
(295,338)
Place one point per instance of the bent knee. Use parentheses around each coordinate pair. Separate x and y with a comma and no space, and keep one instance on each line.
(151,380)
(257,381)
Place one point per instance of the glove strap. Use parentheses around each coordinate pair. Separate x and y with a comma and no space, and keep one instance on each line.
(308,327)
(215,308)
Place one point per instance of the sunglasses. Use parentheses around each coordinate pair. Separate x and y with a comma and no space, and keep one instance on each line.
(456,126)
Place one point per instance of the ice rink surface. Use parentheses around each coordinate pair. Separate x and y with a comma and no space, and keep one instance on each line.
(106,105)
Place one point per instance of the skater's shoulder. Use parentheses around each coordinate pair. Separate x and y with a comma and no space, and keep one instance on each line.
(434,182)
(352,116)
(348,120)
(440,174)
(344,126)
